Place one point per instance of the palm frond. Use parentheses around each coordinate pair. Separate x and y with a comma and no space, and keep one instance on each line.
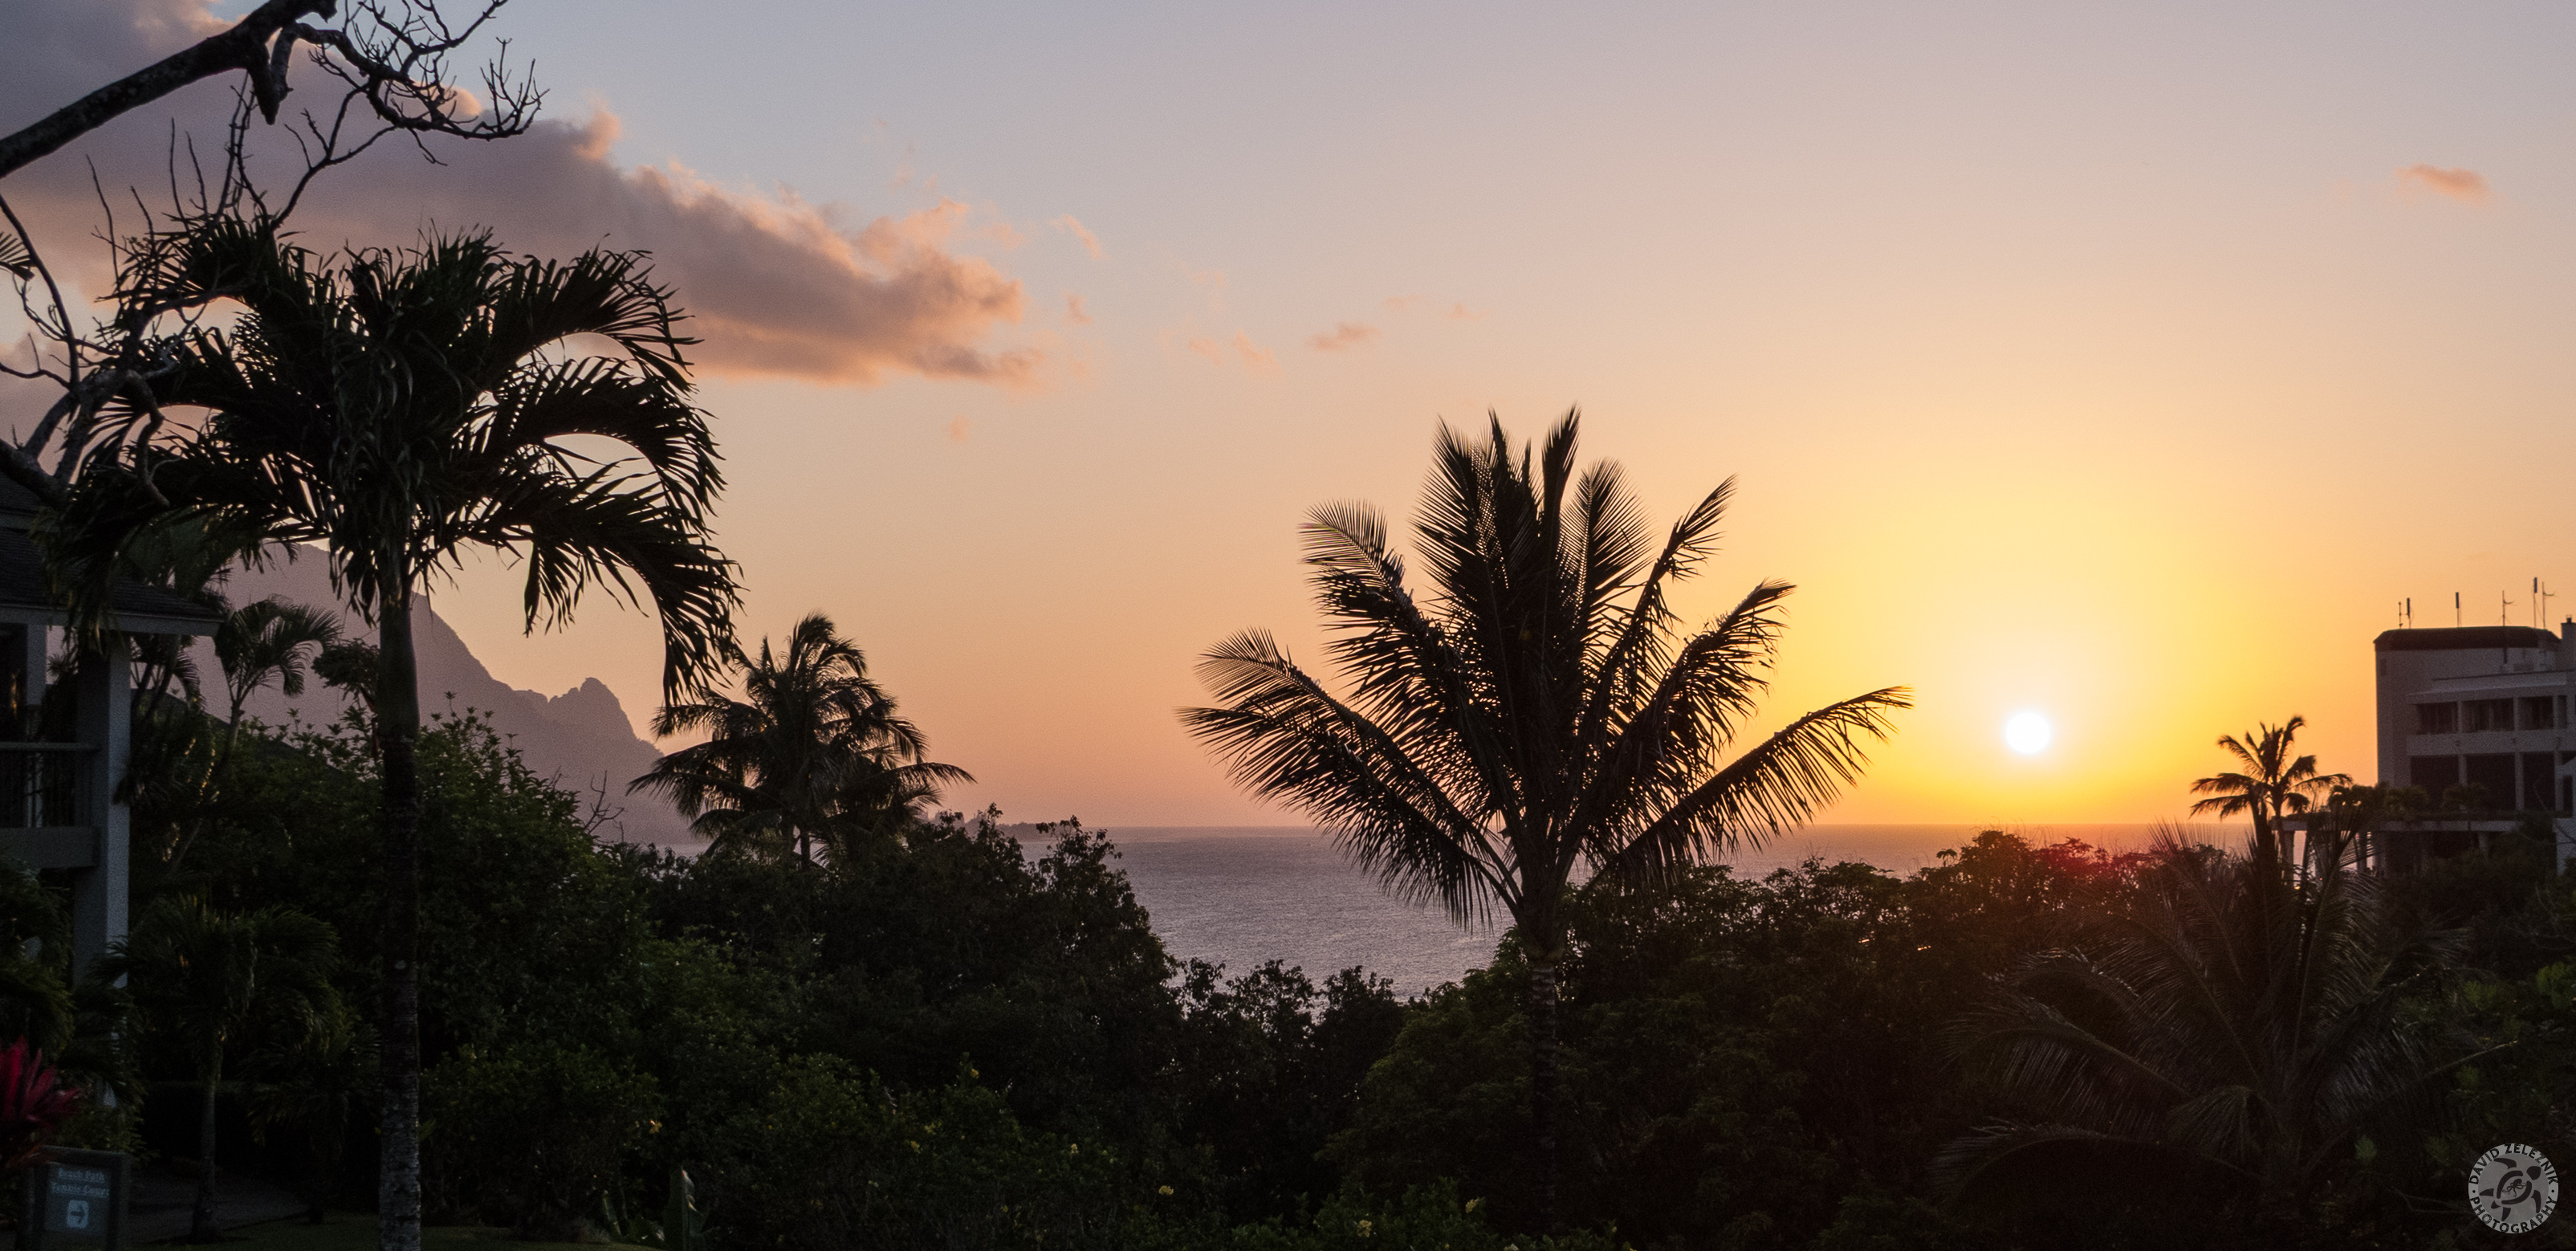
(1770,789)
(1281,736)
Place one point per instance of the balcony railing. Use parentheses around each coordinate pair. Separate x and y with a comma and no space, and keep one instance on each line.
(40,785)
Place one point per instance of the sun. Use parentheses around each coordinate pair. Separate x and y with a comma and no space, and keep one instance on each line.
(2028,733)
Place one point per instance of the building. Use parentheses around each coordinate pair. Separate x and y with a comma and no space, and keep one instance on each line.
(59,809)
(2488,706)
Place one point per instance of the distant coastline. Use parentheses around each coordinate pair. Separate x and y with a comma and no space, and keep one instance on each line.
(1242,894)
(1896,847)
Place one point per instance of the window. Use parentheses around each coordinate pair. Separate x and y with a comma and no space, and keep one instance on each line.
(2539,712)
(2492,776)
(2480,715)
(2539,782)
(2437,718)
(2433,773)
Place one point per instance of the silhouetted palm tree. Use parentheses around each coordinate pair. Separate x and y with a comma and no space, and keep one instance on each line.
(255,644)
(204,976)
(272,640)
(2224,1018)
(400,408)
(813,746)
(2270,785)
(2359,813)
(1542,714)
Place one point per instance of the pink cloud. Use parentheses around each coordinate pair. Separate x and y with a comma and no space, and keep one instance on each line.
(1252,356)
(1090,241)
(775,286)
(1460,312)
(1074,311)
(2467,186)
(1345,335)
(959,429)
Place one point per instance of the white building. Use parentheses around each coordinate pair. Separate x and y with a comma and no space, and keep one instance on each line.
(60,809)
(2486,705)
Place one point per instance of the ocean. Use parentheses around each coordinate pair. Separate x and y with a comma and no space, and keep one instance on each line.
(1241,895)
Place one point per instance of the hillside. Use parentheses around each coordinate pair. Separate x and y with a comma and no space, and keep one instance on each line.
(582,738)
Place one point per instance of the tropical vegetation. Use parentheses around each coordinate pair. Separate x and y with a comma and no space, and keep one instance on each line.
(400,409)
(853,1021)
(812,752)
(1543,717)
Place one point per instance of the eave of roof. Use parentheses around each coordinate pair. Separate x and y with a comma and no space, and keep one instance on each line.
(137,608)
(2465,639)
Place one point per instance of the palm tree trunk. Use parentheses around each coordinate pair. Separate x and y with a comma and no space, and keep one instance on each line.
(201,1222)
(325,1141)
(216,760)
(1543,1101)
(398,737)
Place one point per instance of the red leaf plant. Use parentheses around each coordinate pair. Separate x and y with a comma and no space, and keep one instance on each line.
(34,1103)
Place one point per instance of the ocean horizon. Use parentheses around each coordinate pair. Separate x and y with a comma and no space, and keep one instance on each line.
(1242,895)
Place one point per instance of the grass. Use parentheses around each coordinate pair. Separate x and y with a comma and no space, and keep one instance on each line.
(356,1231)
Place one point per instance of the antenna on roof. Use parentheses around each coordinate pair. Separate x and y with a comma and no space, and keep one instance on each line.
(2455,608)
(2504,610)
(2540,597)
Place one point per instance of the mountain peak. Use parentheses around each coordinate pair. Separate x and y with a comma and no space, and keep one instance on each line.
(581,738)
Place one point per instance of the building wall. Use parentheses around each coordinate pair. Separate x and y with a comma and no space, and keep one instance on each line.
(2503,699)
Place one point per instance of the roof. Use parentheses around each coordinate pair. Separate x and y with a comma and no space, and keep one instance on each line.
(2464,639)
(140,608)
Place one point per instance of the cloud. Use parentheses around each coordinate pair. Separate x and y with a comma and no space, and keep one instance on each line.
(774,285)
(1346,335)
(2467,186)
(1001,232)
(959,428)
(1456,312)
(1074,311)
(1090,241)
(1252,356)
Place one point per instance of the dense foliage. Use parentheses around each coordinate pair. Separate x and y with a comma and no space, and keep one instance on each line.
(946,1040)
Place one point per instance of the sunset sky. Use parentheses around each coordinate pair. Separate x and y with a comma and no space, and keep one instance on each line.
(2127,364)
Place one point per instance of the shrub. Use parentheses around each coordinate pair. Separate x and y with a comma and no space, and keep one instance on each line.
(530,1136)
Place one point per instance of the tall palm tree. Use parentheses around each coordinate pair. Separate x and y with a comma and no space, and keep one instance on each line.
(2269,785)
(813,745)
(206,976)
(1544,713)
(401,408)
(2225,1018)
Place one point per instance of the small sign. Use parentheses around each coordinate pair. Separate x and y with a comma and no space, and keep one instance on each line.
(76,1199)
(81,1196)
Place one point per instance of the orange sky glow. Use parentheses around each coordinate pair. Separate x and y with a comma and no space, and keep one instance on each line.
(2129,367)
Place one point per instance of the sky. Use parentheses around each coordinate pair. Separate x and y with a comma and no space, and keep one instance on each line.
(2126,364)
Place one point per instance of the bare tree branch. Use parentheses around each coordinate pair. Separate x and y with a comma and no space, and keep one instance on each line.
(393,61)
(245,47)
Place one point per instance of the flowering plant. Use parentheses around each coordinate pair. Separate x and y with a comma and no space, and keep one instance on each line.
(34,1103)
